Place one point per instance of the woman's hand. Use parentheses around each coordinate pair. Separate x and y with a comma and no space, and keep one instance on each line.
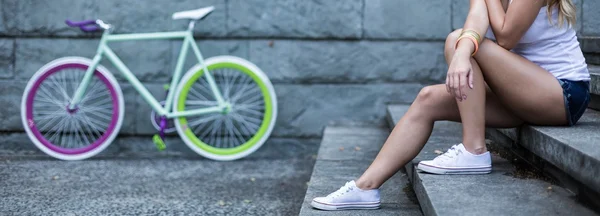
(460,75)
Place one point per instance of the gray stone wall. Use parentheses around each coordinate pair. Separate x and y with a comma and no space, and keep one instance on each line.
(331,61)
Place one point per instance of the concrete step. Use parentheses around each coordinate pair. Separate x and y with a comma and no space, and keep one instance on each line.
(503,192)
(592,58)
(344,154)
(591,49)
(590,44)
(572,150)
(595,86)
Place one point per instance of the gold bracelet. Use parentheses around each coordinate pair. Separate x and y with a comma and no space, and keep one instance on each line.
(470,37)
(474,34)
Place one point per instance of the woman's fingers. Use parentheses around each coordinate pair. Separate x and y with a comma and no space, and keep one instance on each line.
(456,87)
(447,84)
(471,78)
(463,85)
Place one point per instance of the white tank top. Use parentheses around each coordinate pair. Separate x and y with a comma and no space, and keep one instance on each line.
(552,48)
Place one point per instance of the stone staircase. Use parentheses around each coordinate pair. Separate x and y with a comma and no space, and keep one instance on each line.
(537,170)
(345,152)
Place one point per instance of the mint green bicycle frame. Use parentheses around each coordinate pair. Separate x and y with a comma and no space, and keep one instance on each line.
(188,40)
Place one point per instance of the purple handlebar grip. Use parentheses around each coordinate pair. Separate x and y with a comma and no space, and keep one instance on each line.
(91,28)
(80,23)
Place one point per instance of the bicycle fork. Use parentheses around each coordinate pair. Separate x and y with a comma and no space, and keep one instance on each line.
(80,92)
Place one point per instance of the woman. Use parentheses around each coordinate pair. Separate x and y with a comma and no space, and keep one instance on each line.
(542,80)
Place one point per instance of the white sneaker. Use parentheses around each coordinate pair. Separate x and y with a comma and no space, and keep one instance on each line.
(457,160)
(348,197)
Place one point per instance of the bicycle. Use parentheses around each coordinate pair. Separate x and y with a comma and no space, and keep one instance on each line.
(223,108)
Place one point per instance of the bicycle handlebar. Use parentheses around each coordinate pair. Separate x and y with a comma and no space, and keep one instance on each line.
(86,25)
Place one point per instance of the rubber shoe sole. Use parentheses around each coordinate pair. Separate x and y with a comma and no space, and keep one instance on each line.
(344,206)
(454,170)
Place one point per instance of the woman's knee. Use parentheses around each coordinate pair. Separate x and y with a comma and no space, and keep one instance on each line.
(451,42)
(428,98)
(434,103)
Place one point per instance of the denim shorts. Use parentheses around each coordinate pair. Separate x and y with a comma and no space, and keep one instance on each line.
(577,98)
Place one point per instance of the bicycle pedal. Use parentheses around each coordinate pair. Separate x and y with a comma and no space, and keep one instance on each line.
(159,142)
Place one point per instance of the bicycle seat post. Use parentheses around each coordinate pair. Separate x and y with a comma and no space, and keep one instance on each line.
(191,25)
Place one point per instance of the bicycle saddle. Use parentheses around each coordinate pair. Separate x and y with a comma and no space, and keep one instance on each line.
(193,14)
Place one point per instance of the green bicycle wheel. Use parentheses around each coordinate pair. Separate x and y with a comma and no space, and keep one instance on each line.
(240,130)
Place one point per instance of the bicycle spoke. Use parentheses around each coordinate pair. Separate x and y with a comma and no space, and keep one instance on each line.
(241,91)
(228,84)
(203,120)
(200,128)
(89,128)
(243,127)
(105,109)
(234,84)
(104,117)
(204,89)
(251,111)
(55,128)
(44,93)
(59,88)
(249,118)
(233,131)
(215,130)
(45,100)
(198,94)
(49,112)
(50,123)
(253,96)
(95,125)
(76,79)
(83,135)
(40,104)
(100,102)
(245,122)
(206,132)
(44,121)
(92,93)
(73,136)
(64,133)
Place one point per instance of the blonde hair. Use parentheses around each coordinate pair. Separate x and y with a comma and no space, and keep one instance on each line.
(566,11)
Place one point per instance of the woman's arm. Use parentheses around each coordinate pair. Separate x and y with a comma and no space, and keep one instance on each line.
(459,76)
(510,25)
(477,20)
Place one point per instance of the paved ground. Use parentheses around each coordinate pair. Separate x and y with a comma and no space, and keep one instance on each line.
(270,182)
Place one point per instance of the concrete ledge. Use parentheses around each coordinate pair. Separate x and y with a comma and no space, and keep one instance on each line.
(595,102)
(595,82)
(344,154)
(592,58)
(573,150)
(499,193)
(589,44)
(595,86)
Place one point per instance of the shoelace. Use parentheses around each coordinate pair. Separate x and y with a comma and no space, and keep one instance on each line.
(453,151)
(344,189)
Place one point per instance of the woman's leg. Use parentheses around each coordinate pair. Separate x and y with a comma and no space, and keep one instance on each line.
(530,92)
(432,104)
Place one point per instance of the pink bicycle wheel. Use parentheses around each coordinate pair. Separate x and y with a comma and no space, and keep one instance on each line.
(72,133)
